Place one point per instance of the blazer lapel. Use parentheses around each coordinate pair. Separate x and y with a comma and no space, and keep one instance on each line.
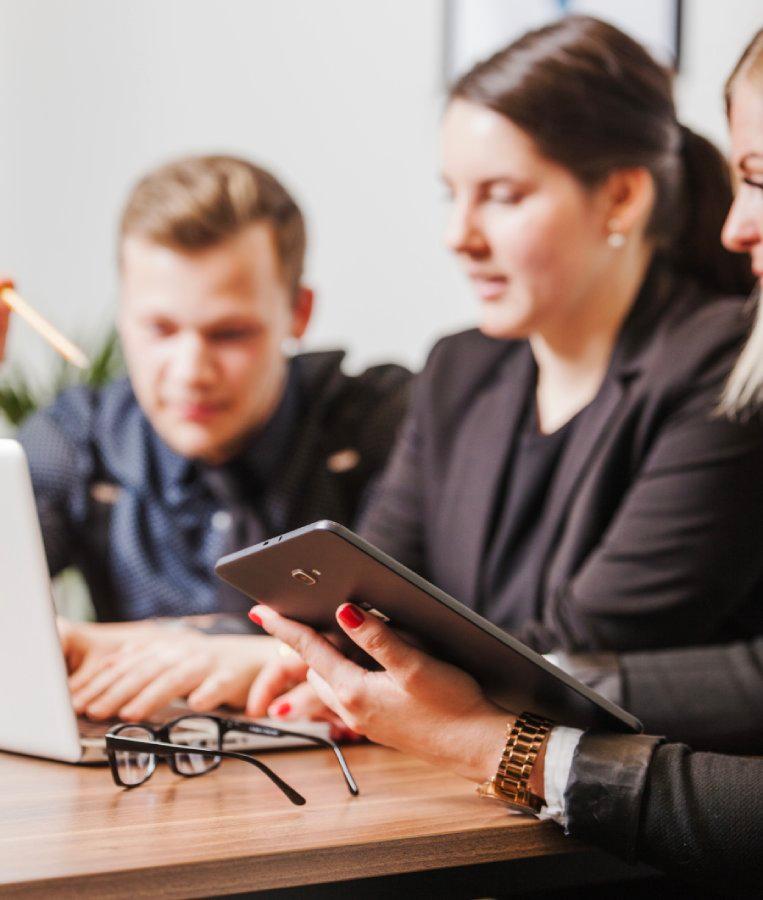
(597,420)
(484,442)
(590,430)
(628,357)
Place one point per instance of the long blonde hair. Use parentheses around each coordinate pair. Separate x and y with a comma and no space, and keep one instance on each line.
(743,393)
(744,389)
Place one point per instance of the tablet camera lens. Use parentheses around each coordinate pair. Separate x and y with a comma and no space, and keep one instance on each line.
(301,575)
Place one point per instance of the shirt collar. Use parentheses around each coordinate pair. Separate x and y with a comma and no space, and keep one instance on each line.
(261,454)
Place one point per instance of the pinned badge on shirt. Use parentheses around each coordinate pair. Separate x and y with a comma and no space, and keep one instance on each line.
(343,460)
(222,520)
(105,492)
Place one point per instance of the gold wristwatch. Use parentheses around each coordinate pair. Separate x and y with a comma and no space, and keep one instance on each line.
(510,784)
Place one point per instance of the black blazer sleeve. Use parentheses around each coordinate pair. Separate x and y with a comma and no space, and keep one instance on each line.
(695,815)
(681,555)
(394,516)
(709,697)
(384,393)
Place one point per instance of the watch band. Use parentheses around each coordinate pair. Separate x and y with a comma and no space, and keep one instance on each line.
(510,784)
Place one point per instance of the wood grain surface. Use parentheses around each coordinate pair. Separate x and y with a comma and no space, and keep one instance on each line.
(67,831)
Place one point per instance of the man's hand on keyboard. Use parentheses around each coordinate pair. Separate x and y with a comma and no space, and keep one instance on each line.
(131,670)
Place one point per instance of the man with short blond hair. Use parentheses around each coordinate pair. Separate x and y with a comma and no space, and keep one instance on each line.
(196,202)
(218,439)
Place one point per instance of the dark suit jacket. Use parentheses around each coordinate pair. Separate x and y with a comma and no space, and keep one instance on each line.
(657,504)
(709,697)
(697,815)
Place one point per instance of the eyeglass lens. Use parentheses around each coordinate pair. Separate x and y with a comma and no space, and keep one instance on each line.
(134,766)
(196,732)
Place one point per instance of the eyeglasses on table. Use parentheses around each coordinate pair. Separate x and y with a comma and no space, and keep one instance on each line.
(193,745)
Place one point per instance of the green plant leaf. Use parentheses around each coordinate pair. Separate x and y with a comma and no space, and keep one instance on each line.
(20,395)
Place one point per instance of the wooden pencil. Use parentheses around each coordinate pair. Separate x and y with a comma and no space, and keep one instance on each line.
(70,352)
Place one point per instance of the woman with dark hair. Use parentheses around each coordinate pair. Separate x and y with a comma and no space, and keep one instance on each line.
(699,815)
(743,231)
(564,469)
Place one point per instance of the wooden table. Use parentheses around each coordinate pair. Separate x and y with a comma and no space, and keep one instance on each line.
(67,831)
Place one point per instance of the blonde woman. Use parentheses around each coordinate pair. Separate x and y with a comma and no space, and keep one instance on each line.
(743,231)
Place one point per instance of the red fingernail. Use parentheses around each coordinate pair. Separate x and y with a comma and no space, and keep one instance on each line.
(255,618)
(283,710)
(351,615)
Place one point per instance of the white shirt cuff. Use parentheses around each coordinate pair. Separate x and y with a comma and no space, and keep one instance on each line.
(560,749)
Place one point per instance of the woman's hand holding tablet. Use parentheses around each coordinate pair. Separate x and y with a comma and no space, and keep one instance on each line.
(415,703)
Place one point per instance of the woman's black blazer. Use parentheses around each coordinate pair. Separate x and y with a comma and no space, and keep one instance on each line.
(658,500)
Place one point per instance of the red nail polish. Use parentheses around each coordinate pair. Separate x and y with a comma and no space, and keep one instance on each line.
(283,710)
(255,618)
(351,616)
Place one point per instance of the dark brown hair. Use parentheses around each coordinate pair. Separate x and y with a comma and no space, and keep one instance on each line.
(593,100)
(194,203)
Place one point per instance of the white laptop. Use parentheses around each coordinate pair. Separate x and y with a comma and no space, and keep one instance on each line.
(36,713)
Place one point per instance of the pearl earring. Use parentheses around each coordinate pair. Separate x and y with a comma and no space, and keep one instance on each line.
(615,238)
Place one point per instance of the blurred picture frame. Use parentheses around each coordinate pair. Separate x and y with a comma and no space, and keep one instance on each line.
(473,29)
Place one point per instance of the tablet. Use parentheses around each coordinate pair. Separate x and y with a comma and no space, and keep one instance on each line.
(306,574)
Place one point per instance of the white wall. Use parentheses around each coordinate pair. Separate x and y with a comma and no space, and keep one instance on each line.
(340,97)
(715,33)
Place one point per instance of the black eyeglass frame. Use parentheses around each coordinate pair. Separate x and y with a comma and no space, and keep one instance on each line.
(162,746)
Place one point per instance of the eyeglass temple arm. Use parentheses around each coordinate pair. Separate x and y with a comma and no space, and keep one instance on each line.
(164,749)
(269,731)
